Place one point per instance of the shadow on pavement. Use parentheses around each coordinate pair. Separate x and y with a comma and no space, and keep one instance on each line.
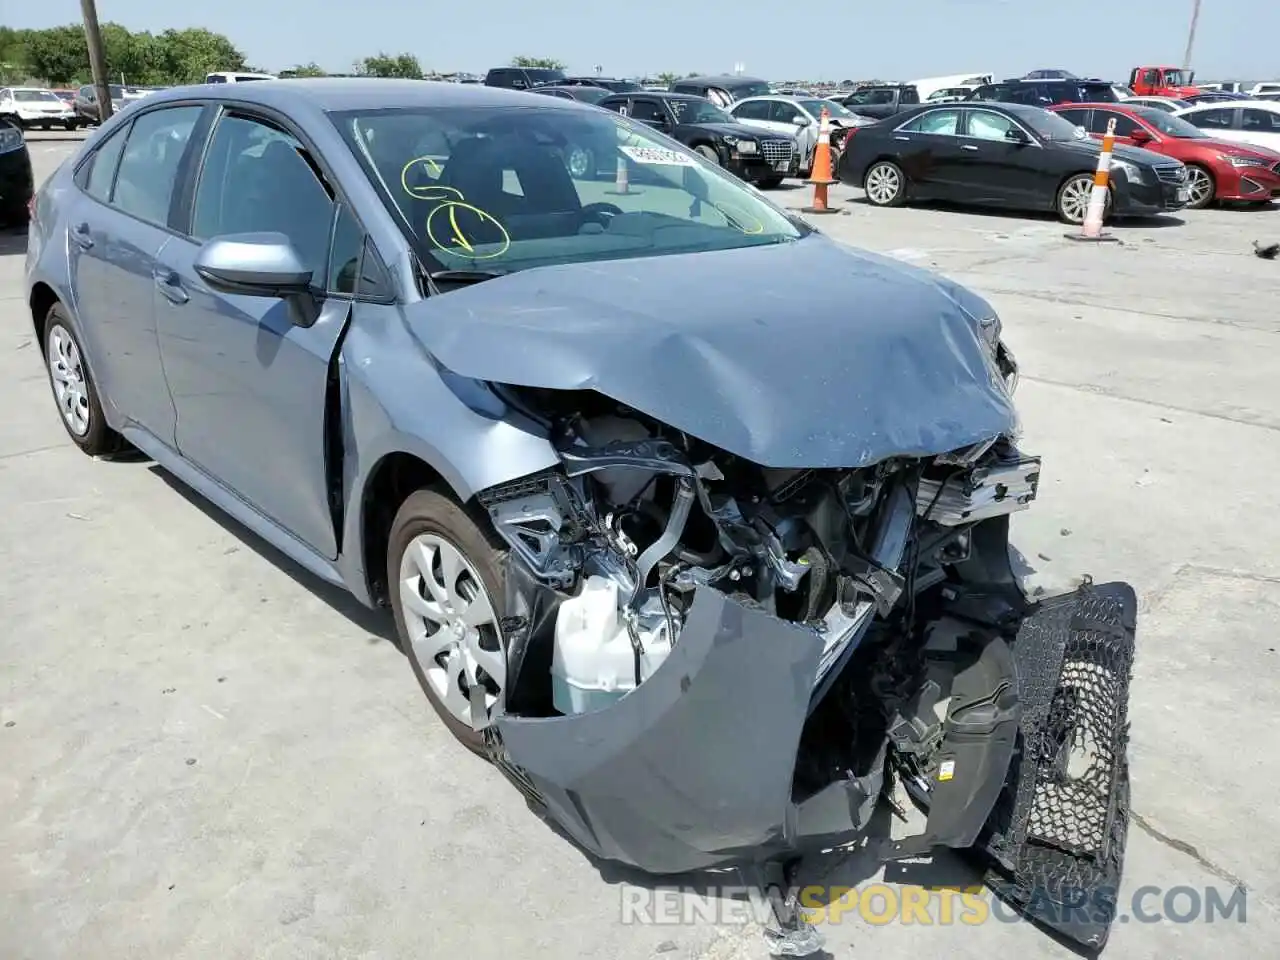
(13,243)
(1124,223)
(378,624)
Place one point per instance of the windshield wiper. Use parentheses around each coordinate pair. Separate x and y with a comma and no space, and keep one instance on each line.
(465,276)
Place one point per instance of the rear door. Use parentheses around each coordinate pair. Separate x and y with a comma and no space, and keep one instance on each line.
(118,225)
(249,384)
(1222,123)
(928,150)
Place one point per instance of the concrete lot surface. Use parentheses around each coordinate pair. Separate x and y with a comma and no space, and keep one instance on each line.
(206,754)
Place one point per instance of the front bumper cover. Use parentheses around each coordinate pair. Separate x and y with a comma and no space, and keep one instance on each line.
(694,768)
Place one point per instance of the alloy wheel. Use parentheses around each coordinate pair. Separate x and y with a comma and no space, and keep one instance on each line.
(450,620)
(580,163)
(883,184)
(66,369)
(1199,187)
(1075,199)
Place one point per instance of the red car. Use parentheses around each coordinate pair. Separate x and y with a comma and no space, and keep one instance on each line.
(1216,169)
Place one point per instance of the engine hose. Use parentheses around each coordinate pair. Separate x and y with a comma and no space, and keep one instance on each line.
(818,570)
(670,536)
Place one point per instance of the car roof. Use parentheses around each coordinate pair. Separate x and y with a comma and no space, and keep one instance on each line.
(722,80)
(1269,105)
(329,94)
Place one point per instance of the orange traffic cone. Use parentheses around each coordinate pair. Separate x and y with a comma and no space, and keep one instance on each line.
(820,173)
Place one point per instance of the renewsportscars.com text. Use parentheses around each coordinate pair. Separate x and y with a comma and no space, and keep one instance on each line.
(880,904)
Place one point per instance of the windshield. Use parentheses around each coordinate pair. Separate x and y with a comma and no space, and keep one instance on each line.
(35,96)
(741,91)
(699,111)
(1177,78)
(1050,126)
(620,86)
(833,109)
(503,189)
(1169,124)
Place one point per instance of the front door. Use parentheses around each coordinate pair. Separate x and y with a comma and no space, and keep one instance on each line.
(248,383)
(995,168)
(117,229)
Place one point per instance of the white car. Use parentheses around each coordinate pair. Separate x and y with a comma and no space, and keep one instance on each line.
(36,107)
(1267,86)
(797,117)
(1244,121)
(1167,104)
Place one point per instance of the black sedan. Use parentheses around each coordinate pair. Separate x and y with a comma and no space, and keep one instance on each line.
(15,175)
(749,153)
(1004,155)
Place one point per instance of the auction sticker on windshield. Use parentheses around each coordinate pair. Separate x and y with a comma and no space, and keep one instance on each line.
(658,155)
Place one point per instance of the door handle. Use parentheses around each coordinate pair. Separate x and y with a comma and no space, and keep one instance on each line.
(82,237)
(968,146)
(170,284)
(902,138)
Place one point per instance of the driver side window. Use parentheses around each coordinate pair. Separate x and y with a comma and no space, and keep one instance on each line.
(648,110)
(257,178)
(987,125)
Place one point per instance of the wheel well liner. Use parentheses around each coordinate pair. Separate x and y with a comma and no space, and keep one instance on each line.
(42,300)
(390,483)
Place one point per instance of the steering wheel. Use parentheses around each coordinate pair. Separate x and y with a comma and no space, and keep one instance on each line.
(601,213)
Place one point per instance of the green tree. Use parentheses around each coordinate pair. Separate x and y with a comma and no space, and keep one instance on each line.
(307,70)
(57,55)
(537,63)
(188,56)
(668,78)
(385,65)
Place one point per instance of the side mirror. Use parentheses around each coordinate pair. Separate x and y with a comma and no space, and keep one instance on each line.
(802,121)
(1140,136)
(254,264)
(259,265)
(1016,135)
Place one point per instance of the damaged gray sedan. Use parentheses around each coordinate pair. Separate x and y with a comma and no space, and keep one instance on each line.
(691,520)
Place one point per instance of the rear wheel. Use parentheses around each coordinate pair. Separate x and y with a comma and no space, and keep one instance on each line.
(1200,186)
(885,184)
(446,573)
(74,390)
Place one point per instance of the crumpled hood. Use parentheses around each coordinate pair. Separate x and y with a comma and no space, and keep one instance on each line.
(801,354)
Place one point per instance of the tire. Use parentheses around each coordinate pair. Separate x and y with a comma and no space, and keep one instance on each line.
(431,519)
(1068,205)
(885,184)
(79,407)
(581,163)
(69,125)
(1202,185)
(769,183)
(710,153)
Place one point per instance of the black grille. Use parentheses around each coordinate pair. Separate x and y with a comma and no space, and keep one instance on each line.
(776,151)
(1172,174)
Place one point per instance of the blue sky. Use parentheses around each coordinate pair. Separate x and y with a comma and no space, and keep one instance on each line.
(1236,39)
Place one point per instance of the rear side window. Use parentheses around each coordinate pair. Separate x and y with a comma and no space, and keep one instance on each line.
(102,166)
(1097,93)
(149,164)
(1079,117)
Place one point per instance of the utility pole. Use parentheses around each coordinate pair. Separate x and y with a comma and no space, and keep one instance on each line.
(1191,34)
(97,58)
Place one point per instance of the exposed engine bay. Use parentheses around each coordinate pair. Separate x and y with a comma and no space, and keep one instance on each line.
(866,618)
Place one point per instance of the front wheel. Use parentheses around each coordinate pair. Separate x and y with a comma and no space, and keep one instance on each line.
(1072,203)
(769,183)
(885,184)
(709,153)
(1200,187)
(446,573)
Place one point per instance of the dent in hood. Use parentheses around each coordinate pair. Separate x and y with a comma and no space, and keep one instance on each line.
(800,354)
